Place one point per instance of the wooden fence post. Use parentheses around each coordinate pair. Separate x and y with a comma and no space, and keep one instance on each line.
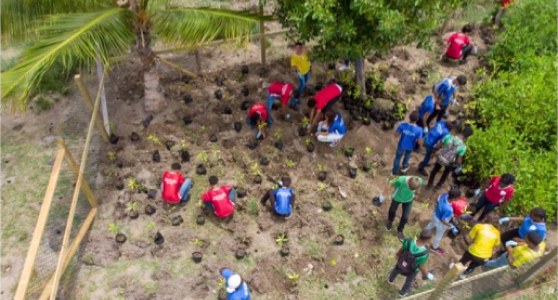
(262,33)
(448,279)
(540,266)
(89,102)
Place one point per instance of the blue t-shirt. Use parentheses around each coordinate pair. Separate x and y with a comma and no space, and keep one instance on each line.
(241,293)
(446,89)
(338,126)
(444,210)
(410,133)
(528,226)
(438,132)
(283,199)
(427,106)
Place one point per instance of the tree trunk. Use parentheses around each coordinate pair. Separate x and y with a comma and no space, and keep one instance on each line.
(360,77)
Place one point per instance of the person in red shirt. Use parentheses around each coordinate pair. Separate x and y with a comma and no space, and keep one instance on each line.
(322,102)
(257,115)
(499,192)
(220,199)
(174,187)
(282,91)
(500,14)
(459,45)
(460,209)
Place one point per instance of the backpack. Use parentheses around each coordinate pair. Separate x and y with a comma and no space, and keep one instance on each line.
(448,153)
(407,262)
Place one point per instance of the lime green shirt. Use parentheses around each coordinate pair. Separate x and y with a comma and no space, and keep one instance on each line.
(402,192)
(446,141)
(420,260)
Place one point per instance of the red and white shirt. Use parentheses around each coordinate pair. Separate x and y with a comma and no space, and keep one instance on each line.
(258,108)
(327,94)
(456,43)
(171,187)
(281,90)
(497,195)
(219,197)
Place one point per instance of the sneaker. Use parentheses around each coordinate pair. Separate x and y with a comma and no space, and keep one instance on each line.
(333,144)
(401,294)
(429,187)
(462,62)
(388,226)
(423,172)
(344,67)
(392,174)
(437,188)
(404,170)
(463,276)
(390,282)
(288,216)
(401,236)
(421,151)
(438,251)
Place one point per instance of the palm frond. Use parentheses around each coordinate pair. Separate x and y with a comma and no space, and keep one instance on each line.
(197,26)
(20,17)
(73,39)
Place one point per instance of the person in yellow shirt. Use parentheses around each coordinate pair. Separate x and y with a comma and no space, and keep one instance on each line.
(516,256)
(486,237)
(302,66)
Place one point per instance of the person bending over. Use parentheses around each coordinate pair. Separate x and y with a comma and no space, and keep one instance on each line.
(219,199)
(257,115)
(332,129)
(282,199)
(322,102)
(175,188)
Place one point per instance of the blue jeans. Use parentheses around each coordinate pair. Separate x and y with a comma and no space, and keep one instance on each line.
(232,197)
(427,157)
(398,154)
(185,189)
(269,104)
(303,80)
(486,204)
(499,262)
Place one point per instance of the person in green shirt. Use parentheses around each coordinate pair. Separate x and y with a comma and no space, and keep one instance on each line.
(404,192)
(417,247)
(449,153)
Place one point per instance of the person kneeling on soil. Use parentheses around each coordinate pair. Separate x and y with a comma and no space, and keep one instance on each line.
(220,199)
(459,45)
(332,129)
(516,256)
(257,115)
(411,259)
(237,289)
(175,188)
(322,102)
(441,219)
(284,92)
(534,222)
(282,199)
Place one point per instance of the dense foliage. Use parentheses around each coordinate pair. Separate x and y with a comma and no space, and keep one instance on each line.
(516,108)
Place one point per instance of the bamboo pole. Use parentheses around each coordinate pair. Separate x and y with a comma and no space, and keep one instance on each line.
(448,279)
(77,189)
(40,227)
(71,250)
(104,110)
(87,99)
(175,66)
(262,33)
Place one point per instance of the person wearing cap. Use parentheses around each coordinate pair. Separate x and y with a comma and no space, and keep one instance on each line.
(237,289)
(534,222)
(283,91)
(518,255)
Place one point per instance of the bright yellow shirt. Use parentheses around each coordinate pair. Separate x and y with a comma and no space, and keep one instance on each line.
(302,63)
(522,254)
(485,238)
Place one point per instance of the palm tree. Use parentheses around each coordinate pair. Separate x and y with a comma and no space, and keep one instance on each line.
(77,32)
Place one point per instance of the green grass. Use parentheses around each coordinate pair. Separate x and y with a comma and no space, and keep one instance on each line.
(253,206)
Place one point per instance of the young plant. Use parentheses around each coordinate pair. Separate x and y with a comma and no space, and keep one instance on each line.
(261,125)
(215,152)
(305,122)
(281,239)
(289,163)
(255,169)
(132,206)
(277,134)
(368,150)
(307,141)
(333,262)
(155,140)
(203,156)
(202,128)
(183,145)
(196,242)
(293,277)
(321,186)
(133,184)
(112,156)
(114,229)
(320,167)
(222,283)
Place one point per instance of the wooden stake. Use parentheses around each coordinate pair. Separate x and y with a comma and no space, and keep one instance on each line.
(87,98)
(262,33)
(40,227)
(175,66)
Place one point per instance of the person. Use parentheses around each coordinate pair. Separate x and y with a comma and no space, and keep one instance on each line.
(282,199)
(460,209)
(302,66)
(498,193)
(485,236)
(441,219)
(417,249)
(519,255)
(459,45)
(174,187)
(443,92)
(436,134)
(449,154)
(534,222)
(219,199)
(502,11)
(237,289)
(257,115)
(345,66)
(426,108)
(322,102)
(404,193)
(283,91)
(332,129)
(410,135)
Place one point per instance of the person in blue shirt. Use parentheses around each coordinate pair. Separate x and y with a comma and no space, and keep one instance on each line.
(436,134)
(237,289)
(534,222)
(441,219)
(282,199)
(425,109)
(410,135)
(443,91)
(332,129)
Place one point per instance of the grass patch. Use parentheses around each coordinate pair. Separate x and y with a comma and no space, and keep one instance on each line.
(312,248)
(253,207)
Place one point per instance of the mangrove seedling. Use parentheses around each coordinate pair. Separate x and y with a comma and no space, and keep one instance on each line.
(112,156)
(155,140)
(132,206)
(203,156)
(321,186)
(281,239)
(133,184)
(320,168)
(333,262)
(368,150)
(277,134)
(293,277)
(196,242)
(289,163)
(114,229)
(305,122)
(255,169)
